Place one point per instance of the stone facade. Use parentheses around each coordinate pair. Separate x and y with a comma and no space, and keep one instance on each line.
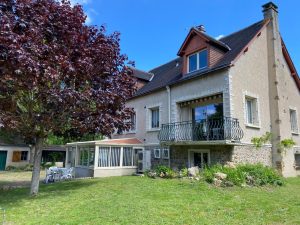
(249,154)
(179,155)
(157,161)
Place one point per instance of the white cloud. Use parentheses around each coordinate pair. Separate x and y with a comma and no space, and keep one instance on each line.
(219,36)
(88,20)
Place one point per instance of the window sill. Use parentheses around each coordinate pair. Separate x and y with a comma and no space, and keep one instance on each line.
(130,132)
(153,129)
(252,126)
(295,133)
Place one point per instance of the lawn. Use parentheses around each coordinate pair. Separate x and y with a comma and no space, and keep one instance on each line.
(13,179)
(141,200)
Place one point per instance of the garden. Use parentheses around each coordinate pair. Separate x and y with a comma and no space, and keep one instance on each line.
(184,199)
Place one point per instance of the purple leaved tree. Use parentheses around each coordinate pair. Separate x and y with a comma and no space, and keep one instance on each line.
(58,74)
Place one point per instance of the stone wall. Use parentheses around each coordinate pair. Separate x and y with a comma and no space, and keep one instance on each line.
(249,154)
(179,155)
(155,162)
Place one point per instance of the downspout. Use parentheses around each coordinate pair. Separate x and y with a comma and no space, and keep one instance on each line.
(169,102)
(169,115)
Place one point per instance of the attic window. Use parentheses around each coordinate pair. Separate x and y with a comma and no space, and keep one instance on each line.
(197,61)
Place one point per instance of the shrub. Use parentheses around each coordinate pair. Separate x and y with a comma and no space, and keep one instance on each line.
(165,172)
(184,172)
(254,175)
(11,168)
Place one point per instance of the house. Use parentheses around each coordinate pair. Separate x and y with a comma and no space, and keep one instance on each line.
(206,105)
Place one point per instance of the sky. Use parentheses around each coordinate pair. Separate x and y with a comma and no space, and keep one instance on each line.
(152,31)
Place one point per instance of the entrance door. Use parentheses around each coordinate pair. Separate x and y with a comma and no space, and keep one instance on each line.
(199,158)
(3,155)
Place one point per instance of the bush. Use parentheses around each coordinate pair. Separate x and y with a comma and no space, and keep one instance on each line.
(11,168)
(184,172)
(254,175)
(165,172)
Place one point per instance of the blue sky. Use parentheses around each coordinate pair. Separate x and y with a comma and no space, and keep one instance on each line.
(153,30)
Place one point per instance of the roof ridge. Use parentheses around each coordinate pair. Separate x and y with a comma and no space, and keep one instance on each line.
(144,71)
(245,28)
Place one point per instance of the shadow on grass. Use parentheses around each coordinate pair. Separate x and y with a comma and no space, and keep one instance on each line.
(15,197)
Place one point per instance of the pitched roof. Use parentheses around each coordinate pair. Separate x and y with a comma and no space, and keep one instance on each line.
(171,72)
(140,74)
(122,141)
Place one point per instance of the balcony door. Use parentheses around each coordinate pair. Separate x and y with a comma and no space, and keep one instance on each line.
(207,112)
(199,158)
(207,122)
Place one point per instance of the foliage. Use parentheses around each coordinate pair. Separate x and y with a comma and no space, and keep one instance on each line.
(62,140)
(260,141)
(165,172)
(286,144)
(55,156)
(163,201)
(11,168)
(59,75)
(250,174)
(184,172)
(47,165)
(27,167)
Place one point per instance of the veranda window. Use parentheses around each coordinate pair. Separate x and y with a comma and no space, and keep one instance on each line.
(112,156)
(86,156)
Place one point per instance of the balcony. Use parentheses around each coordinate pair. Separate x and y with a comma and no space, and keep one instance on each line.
(212,129)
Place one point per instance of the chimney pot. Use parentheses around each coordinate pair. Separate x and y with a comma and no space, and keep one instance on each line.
(268,6)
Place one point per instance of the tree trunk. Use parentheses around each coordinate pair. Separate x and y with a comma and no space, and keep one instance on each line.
(31,154)
(35,180)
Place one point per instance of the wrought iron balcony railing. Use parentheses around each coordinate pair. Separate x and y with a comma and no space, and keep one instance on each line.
(211,129)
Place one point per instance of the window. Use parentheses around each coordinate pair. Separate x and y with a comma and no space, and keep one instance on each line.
(207,112)
(155,118)
(129,158)
(111,157)
(86,156)
(157,153)
(294,122)
(200,158)
(133,122)
(251,111)
(165,153)
(24,155)
(197,61)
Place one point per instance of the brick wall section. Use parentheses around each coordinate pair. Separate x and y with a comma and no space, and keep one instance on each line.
(249,154)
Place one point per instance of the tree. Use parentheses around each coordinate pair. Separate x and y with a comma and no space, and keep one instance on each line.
(59,75)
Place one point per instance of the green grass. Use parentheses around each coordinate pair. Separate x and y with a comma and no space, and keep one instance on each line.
(12,178)
(137,200)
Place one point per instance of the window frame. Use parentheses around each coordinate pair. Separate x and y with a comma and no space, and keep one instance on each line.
(159,153)
(201,151)
(197,60)
(87,149)
(255,110)
(121,157)
(151,118)
(163,153)
(294,124)
(22,156)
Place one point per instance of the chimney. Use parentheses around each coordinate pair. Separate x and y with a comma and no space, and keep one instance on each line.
(201,28)
(270,10)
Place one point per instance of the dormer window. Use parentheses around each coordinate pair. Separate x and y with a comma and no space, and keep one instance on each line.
(197,61)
